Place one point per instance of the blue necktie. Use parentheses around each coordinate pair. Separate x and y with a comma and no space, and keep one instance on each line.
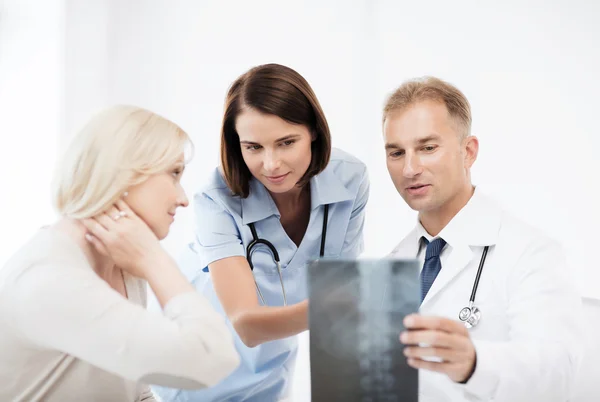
(432,265)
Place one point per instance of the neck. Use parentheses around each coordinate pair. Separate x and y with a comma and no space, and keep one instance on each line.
(102,265)
(435,220)
(292,200)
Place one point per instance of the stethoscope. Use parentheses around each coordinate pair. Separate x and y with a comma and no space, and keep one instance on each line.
(256,241)
(471,315)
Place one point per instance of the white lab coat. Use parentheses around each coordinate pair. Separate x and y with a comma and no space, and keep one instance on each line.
(529,338)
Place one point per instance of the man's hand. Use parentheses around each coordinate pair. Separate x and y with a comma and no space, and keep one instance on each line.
(441,339)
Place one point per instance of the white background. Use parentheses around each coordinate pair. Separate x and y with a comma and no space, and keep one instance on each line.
(529,71)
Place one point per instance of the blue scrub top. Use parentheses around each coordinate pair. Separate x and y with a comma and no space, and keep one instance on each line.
(222,231)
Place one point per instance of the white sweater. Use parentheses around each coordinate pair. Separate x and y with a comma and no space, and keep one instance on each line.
(66,335)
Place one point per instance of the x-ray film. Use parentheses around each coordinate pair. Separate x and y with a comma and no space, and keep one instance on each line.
(355,319)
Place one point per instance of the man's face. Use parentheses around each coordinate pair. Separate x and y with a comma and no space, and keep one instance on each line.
(427,157)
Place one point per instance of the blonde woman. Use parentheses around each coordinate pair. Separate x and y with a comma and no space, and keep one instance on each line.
(73,324)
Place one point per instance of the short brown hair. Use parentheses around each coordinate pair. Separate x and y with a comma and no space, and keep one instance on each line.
(276,90)
(431,88)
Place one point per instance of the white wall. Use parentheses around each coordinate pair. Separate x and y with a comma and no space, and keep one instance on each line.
(87,80)
(31,114)
(528,71)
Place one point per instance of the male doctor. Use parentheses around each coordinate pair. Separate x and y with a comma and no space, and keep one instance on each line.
(526,344)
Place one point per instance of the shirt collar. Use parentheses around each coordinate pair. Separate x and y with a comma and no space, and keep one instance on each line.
(327,188)
(258,205)
(476,224)
(422,233)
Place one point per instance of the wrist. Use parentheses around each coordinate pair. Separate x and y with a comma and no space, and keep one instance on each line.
(154,265)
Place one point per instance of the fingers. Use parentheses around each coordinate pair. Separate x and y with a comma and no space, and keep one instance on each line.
(415,321)
(106,221)
(428,337)
(438,344)
(122,206)
(447,355)
(110,218)
(95,228)
(97,244)
(114,213)
(457,366)
(102,225)
(440,367)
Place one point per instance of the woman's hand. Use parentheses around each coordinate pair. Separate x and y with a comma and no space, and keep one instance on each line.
(124,237)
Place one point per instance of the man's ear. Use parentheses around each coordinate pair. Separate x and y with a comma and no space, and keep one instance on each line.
(471,144)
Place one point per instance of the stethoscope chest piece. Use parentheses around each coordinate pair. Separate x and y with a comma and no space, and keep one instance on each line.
(470,316)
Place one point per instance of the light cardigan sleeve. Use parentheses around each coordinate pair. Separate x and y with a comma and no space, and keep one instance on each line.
(70,309)
(145,395)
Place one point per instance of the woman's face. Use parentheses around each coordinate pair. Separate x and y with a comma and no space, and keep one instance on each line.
(156,199)
(276,152)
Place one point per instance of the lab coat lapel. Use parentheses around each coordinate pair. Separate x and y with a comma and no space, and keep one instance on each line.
(476,225)
(459,259)
(407,248)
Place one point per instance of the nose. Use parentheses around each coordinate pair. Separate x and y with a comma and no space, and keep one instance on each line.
(412,166)
(182,199)
(271,161)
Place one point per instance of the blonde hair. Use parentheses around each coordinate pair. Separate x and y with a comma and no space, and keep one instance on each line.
(118,148)
(431,88)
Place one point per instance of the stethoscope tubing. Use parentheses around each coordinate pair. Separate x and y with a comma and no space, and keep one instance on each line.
(257,241)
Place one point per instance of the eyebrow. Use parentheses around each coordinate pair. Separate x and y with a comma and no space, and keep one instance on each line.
(286,138)
(420,141)
(429,138)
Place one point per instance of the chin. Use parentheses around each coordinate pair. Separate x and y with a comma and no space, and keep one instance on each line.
(160,233)
(419,205)
(281,188)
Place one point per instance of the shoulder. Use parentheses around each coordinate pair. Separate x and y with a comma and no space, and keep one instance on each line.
(49,259)
(345,178)
(523,243)
(214,194)
(215,185)
(348,170)
(344,163)
(523,233)
(495,224)
(45,247)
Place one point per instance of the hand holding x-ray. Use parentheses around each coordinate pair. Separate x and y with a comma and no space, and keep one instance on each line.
(439,344)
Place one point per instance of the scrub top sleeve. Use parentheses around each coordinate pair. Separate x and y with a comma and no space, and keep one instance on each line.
(354,242)
(217,233)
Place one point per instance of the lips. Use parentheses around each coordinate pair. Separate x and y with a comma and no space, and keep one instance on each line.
(277,179)
(418,189)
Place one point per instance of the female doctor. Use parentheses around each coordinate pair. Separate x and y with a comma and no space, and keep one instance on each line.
(281,193)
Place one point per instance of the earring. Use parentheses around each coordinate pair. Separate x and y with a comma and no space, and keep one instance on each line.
(125,194)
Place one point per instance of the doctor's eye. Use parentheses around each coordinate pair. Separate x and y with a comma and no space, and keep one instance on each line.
(396,154)
(429,148)
(287,143)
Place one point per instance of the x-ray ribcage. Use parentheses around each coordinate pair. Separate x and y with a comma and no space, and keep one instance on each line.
(356,312)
